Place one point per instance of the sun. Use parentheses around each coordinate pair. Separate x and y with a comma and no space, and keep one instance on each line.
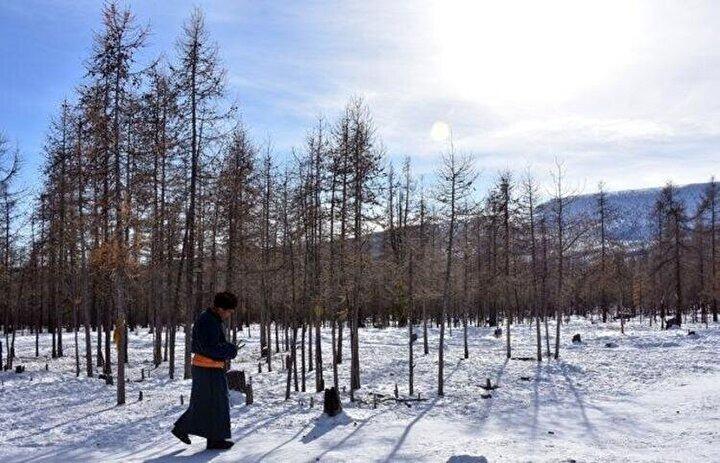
(532,51)
(440,131)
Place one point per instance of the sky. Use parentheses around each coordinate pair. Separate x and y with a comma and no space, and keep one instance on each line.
(627,92)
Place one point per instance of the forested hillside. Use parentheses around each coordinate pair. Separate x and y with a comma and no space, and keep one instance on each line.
(633,220)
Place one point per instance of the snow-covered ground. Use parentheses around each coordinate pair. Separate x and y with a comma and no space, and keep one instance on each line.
(654,397)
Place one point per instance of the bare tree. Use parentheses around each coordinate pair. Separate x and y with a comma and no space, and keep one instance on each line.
(456,176)
(567,233)
(365,167)
(529,201)
(201,84)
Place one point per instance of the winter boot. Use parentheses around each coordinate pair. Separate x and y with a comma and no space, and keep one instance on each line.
(219,444)
(181,435)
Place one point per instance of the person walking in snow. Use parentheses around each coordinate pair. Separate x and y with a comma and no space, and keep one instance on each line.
(208,415)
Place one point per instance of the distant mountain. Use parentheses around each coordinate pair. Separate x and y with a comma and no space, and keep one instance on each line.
(632,209)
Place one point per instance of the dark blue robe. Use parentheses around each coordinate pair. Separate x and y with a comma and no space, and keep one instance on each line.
(209,412)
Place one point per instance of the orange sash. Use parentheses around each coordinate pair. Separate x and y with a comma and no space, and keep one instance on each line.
(206,362)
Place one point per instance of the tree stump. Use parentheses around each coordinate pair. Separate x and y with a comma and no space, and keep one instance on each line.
(236,380)
(249,393)
(576,339)
(20,369)
(488,386)
(331,402)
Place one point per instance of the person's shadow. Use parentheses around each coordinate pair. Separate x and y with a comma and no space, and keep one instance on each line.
(467,459)
(202,456)
(323,425)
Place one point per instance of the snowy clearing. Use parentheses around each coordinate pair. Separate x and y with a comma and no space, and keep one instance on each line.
(654,397)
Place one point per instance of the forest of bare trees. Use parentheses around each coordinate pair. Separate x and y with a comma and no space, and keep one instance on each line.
(155,195)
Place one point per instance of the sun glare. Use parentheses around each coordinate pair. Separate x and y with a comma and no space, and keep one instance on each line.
(532,51)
